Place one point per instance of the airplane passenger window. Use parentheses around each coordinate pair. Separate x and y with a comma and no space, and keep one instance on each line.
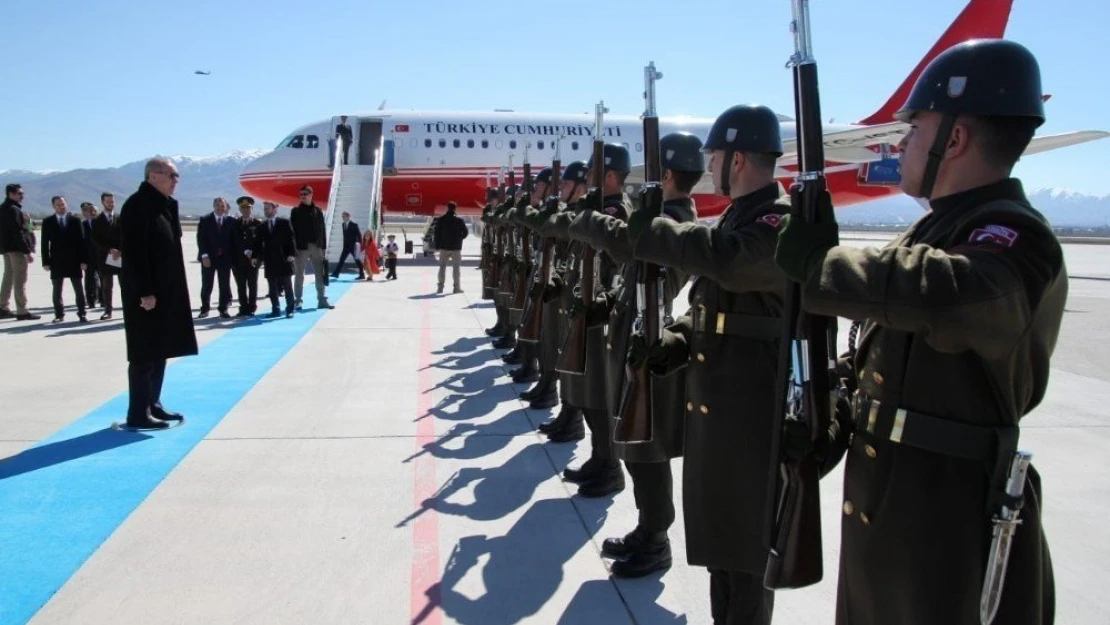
(296,142)
(470,143)
(427,143)
(498,144)
(443,143)
(485,144)
(512,144)
(574,145)
(455,143)
(539,144)
(639,147)
(412,143)
(313,142)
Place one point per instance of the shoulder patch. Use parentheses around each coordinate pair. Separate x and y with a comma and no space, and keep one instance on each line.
(610,209)
(771,219)
(1000,235)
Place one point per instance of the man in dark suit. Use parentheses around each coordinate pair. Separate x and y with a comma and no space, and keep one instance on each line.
(351,238)
(93,292)
(246,264)
(216,253)
(343,131)
(63,255)
(157,316)
(278,254)
(106,235)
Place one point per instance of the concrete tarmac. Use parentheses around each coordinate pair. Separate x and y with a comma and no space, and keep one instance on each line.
(372,464)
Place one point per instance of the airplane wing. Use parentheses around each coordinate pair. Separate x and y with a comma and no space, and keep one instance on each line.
(1051,142)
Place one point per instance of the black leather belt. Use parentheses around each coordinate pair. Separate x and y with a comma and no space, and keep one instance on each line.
(751,326)
(942,436)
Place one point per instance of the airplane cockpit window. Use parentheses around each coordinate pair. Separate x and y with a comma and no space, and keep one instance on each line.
(296,141)
(312,142)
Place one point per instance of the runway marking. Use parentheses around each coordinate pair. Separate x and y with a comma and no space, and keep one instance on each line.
(426,604)
(62,498)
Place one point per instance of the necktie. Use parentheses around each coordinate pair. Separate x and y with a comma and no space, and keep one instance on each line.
(62,223)
(271,225)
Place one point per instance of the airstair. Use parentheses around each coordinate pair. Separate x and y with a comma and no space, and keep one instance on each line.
(355,189)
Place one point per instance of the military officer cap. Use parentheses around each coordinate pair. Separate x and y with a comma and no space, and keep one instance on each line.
(245,200)
(491,194)
(544,175)
(746,128)
(616,158)
(979,77)
(681,151)
(576,171)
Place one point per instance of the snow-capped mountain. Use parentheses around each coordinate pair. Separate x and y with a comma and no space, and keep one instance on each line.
(202,179)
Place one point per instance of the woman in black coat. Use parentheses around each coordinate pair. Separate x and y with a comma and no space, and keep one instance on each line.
(157,315)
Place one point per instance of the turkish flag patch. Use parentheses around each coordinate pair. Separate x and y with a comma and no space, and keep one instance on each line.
(610,210)
(999,235)
(770,219)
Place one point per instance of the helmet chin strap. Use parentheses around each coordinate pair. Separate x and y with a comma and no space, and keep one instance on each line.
(726,172)
(936,154)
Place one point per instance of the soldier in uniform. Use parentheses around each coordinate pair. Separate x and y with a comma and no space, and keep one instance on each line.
(601,474)
(646,548)
(247,245)
(960,316)
(507,337)
(728,342)
(569,424)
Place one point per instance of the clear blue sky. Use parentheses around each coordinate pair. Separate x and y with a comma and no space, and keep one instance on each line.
(100,84)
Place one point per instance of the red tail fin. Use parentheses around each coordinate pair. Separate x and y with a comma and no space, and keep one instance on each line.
(980,19)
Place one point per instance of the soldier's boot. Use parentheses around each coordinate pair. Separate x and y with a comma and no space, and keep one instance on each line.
(626,545)
(560,420)
(499,328)
(591,467)
(608,480)
(654,554)
(539,389)
(573,429)
(507,340)
(528,372)
(548,400)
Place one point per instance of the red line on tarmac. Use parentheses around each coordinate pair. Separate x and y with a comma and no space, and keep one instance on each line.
(426,573)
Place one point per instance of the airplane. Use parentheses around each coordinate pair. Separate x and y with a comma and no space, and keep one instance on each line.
(202,73)
(430,158)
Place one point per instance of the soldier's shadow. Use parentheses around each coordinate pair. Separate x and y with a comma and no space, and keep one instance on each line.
(469,361)
(484,439)
(468,382)
(524,569)
(596,600)
(499,490)
(465,344)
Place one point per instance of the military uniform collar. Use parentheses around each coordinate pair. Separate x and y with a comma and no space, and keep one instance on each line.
(1005,189)
(767,193)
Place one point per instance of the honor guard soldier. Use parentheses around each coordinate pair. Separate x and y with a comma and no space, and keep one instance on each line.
(543,394)
(728,342)
(960,316)
(568,425)
(601,474)
(646,548)
(247,244)
(507,338)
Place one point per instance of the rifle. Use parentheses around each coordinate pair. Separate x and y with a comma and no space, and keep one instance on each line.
(532,325)
(635,417)
(525,250)
(506,286)
(806,371)
(499,242)
(573,358)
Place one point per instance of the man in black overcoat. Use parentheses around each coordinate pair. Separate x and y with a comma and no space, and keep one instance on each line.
(155,295)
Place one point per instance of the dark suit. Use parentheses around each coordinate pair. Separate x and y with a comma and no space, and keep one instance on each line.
(277,248)
(216,240)
(343,131)
(247,238)
(351,237)
(92,275)
(153,265)
(106,236)
(63,251)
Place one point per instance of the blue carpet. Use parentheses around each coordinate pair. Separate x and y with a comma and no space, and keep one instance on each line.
(61,499)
